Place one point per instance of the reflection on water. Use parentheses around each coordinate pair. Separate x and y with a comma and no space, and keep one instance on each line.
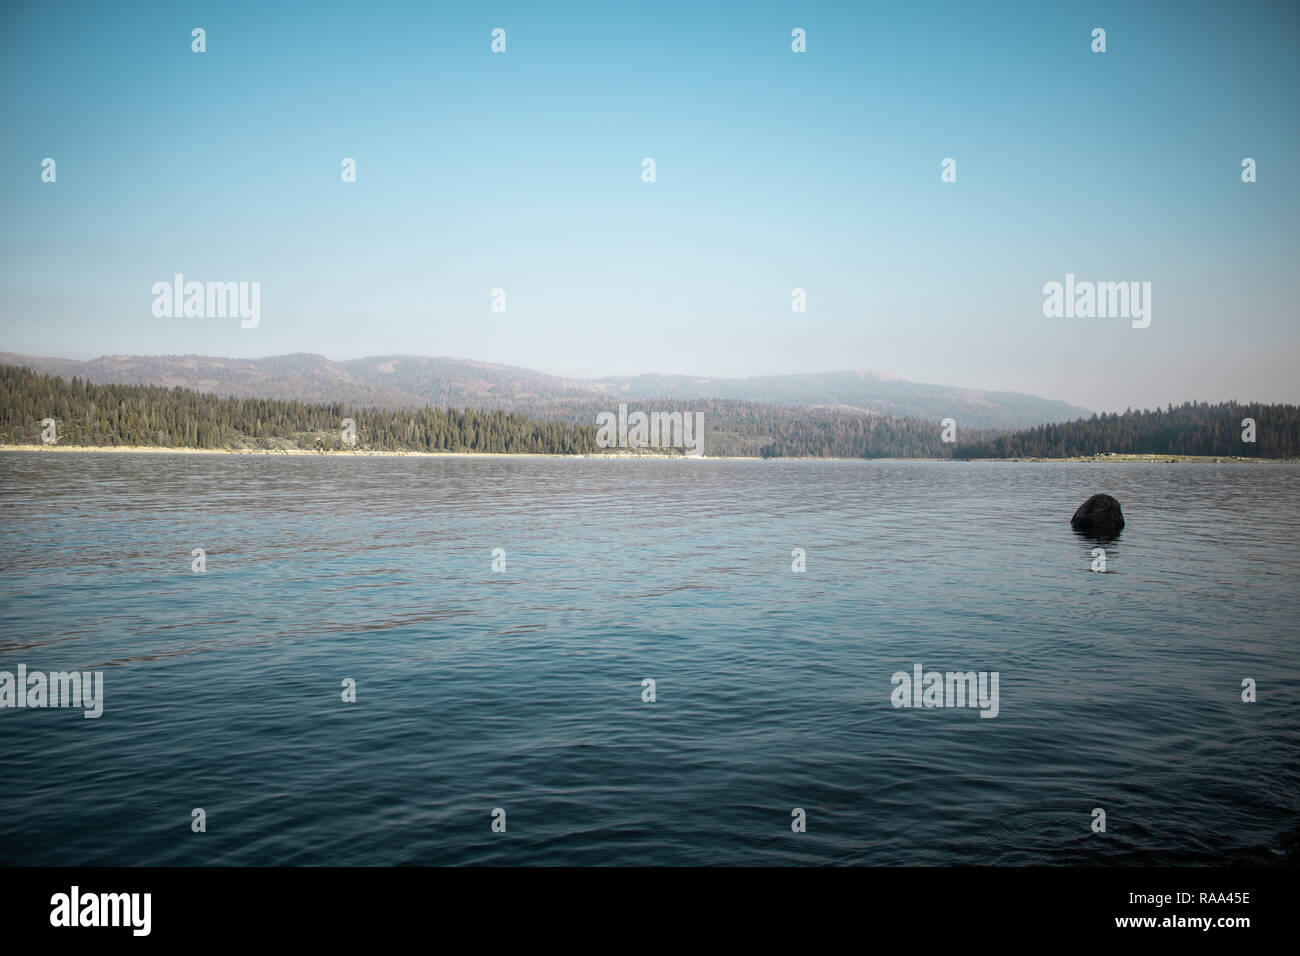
(1097,539)
(522,689)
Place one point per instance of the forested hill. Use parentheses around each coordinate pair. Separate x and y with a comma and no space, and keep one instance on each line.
(87,414)
(149,415)
(1194,428)
(857,436)
(412,381)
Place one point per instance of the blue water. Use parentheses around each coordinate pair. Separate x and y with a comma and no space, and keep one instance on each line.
(522,689)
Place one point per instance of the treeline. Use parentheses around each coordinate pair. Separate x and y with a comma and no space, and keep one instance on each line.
(87,414)
(843,435)
(1193,428)
(733,427)
(147,415)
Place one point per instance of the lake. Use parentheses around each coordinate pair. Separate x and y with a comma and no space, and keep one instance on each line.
(521,687)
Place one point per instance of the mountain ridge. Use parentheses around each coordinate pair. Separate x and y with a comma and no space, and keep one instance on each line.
(401,381)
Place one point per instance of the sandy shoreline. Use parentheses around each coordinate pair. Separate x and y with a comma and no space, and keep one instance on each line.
(621,456)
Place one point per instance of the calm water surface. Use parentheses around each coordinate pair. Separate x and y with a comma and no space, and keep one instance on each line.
(522,689)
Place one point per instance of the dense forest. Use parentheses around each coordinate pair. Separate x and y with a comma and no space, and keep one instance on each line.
(88,414)
(841,435)
(750,429)
(1194,428)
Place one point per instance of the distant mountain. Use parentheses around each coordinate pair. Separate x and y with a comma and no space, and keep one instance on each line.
(400,381)
(872,391)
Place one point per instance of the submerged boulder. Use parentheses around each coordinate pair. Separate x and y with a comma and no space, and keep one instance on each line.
(1100,513)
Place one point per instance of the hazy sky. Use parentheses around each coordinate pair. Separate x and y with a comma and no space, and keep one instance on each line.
(775,170)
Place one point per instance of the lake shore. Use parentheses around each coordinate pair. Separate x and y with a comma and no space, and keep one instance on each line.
(622,454)
(313,453)
(1165,459)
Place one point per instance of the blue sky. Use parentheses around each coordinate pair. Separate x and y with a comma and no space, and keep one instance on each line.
(775,170)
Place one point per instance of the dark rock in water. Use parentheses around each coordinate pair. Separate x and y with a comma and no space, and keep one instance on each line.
(1100,513)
